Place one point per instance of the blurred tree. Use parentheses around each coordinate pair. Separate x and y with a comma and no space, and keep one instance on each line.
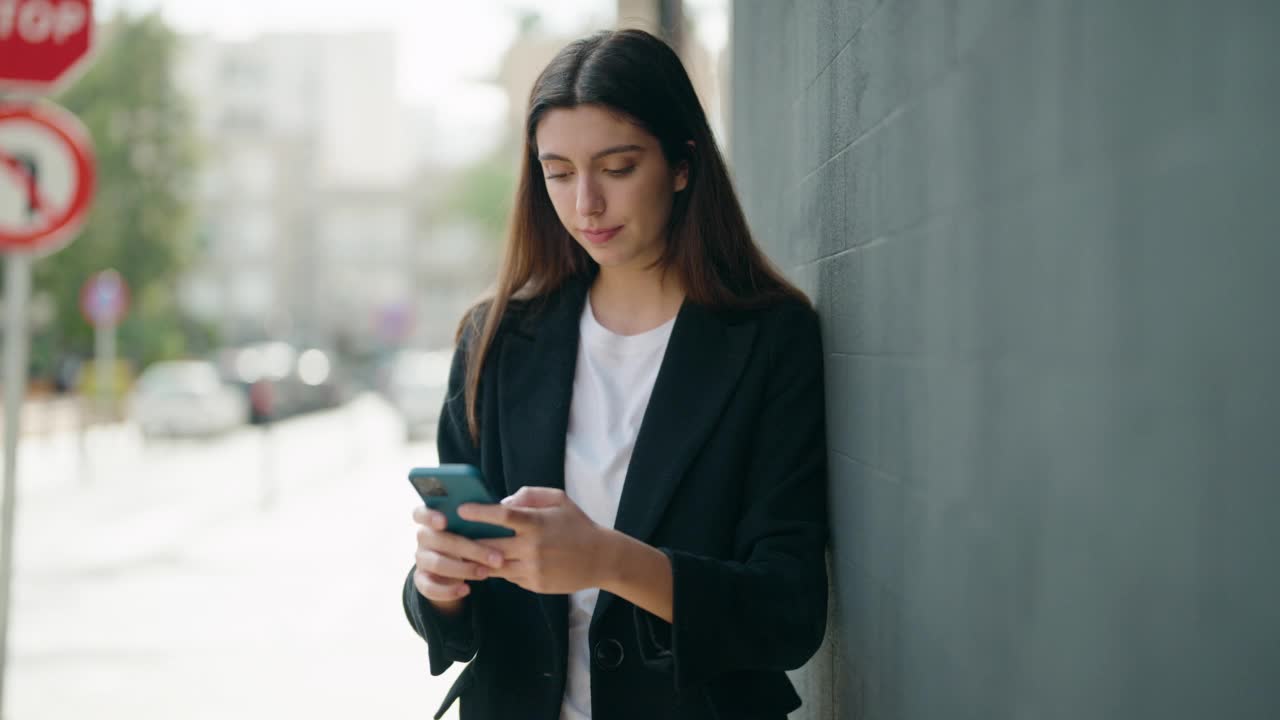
(483,192)
(140,225)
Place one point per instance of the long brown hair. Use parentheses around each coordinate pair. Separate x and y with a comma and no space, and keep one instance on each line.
(709,246)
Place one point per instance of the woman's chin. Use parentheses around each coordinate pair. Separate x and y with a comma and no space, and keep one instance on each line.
(604,255)
(620,258)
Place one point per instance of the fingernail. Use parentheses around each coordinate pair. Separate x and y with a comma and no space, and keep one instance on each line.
(438,521)
(482,573)
(463,589)
(495,560)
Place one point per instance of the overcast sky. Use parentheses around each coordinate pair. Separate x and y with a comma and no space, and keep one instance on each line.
(446,48)
(442,43)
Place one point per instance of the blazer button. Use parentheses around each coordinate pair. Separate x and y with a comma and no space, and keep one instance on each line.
(609,654)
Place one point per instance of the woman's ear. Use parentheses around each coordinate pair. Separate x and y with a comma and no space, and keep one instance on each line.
(682,170)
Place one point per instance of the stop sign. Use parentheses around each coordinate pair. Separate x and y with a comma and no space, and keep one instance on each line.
(42,40)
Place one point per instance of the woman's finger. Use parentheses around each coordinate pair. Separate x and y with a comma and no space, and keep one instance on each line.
(433,562)
(513,570)
(514,578)
(507,547)
(531,496)
(430,518)
(461,548)
(456,546)
(517,519)
(434,587)
(439,581)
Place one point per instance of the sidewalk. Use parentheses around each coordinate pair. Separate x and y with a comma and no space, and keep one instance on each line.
(162,590)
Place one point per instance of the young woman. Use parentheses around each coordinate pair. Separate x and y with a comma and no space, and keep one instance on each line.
(645,392)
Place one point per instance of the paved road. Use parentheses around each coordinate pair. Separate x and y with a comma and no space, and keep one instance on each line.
(157,586)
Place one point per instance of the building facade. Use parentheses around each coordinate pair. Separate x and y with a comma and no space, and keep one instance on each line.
(304,206)
(1042,240)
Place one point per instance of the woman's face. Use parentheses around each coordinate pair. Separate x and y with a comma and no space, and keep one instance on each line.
(610,183)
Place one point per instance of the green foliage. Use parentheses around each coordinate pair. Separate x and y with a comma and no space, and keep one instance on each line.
(483,193)
(140,222)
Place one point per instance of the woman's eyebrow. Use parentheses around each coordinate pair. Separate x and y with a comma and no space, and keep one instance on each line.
(543,157)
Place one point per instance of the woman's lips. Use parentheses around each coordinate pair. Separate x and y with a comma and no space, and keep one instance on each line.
(600,237)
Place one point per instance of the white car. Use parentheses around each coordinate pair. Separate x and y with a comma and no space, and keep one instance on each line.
(416,384)
(186,397)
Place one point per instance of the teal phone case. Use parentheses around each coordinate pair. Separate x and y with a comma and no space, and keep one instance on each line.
(445,487)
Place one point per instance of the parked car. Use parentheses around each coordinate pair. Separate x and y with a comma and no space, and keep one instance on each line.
(185,397)
(281,381)
(416,383)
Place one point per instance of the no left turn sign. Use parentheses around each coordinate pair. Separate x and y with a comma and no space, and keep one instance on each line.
(46,177)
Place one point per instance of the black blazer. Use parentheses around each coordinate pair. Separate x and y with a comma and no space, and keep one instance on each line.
(728,478)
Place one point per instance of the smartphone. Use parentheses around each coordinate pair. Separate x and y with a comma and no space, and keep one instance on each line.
(445,487)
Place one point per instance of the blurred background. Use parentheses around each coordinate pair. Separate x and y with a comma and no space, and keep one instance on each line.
(1040,238)
(302,198)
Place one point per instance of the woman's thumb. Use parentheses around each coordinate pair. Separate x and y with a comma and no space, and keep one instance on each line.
(532,497)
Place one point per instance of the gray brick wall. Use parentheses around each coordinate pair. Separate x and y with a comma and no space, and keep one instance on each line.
(1045,241)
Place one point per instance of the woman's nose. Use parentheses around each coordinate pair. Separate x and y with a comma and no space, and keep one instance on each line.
(590,200)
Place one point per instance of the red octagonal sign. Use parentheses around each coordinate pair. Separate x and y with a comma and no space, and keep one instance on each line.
(42,40)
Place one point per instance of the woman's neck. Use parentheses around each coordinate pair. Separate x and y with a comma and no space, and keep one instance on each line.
(629,302)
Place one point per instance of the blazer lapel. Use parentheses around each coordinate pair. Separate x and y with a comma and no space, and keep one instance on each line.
(703,362)
(535,386)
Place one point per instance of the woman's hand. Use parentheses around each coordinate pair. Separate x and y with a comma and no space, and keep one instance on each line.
(557,548)
(445,561)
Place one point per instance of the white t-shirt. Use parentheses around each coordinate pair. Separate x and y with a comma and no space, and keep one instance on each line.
(611,388)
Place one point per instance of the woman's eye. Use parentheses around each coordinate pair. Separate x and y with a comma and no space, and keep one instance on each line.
(557,176)
(621,171)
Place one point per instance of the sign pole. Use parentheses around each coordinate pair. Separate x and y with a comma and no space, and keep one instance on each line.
(17,290)
(104,360)
(33,136)
(109,361)
(104,299)
(41,43)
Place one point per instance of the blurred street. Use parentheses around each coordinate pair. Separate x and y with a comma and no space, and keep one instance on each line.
(158,586)
(245,213)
